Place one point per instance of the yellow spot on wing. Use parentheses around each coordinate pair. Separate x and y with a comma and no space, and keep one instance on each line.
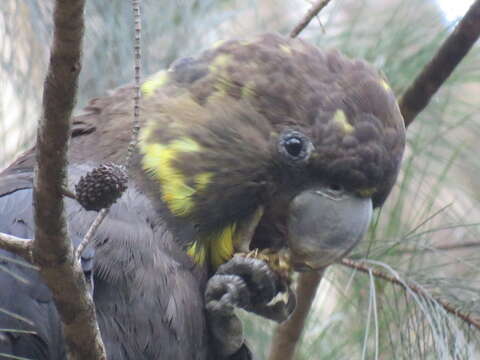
(341,120)
(157,81)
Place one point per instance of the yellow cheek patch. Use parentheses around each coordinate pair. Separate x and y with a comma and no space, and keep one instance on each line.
(221,248)
(197,253)
(158,159)
(218,249)
(341,120)
(366,193)
(157,81)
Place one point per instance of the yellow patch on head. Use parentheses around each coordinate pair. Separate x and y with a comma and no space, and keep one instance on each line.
(158,159)
(157,81)
(366,193)
(247,42)
(248,90)
(223,85)
(218,43)
(341,120)
(286,49)
(220,62)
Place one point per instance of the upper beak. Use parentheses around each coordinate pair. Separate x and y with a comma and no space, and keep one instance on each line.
(325,225)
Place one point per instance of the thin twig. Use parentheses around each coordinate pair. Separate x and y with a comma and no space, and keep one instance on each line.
(51,248)
(67,193)
(448,247)
(436,72)
(137,73)
(287,335)
(91,231)
(314,10)
(18,246)
(362,267)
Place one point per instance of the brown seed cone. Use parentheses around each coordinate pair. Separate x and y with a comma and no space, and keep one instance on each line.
(102,186)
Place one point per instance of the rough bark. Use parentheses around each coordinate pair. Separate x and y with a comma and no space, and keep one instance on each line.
(16,245)
(288,334)
(437,71)
(52,250)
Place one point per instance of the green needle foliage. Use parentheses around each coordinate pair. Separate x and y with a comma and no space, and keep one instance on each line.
(427,234)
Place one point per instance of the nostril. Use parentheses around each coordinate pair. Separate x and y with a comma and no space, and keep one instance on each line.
(335,187)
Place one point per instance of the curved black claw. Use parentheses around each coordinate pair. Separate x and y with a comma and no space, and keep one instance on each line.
(250,284)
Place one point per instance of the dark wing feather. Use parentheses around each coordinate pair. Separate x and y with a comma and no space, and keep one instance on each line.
(147,291)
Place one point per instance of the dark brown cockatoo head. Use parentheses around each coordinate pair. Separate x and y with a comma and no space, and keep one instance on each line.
(271,143)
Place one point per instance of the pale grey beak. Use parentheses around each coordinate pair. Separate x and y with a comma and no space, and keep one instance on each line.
(325,225)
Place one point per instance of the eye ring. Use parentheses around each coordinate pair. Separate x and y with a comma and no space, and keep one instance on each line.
(295,146)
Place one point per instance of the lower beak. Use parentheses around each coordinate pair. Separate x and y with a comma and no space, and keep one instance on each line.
(324,226)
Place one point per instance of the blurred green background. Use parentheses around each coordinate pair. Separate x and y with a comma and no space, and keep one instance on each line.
(427,232)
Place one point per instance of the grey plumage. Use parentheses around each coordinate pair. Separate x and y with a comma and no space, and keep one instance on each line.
(147,292)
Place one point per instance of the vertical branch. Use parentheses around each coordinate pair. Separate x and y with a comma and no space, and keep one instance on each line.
(288,334)
(52,251)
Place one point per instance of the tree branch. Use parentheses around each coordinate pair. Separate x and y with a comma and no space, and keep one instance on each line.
(52,251)
(436,72)
(91,231)
(314,10)
(16,245)
(416,289)
(287,335)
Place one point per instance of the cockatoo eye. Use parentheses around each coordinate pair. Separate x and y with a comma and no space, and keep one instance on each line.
(295,146)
